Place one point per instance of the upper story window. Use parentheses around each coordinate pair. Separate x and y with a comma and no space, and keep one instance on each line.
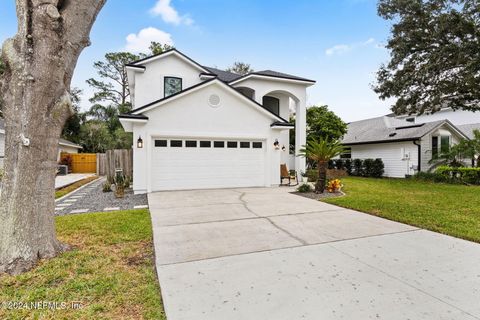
(272,104)
(171,85)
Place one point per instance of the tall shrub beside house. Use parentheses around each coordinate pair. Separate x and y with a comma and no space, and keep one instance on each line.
(321,151)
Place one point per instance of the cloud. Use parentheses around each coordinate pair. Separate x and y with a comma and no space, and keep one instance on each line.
(338,49)
(169,14)
(141,41)
(344,48)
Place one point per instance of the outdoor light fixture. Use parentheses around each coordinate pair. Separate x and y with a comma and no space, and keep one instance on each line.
(276,144)
(139,142)
(283,148)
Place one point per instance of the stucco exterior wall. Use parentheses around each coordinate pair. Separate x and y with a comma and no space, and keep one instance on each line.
(192,116)
(149,84)
(66,149)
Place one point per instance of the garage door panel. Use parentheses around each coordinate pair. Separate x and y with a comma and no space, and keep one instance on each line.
(198,168)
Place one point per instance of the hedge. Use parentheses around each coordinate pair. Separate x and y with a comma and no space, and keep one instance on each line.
(459,174)
(373,168)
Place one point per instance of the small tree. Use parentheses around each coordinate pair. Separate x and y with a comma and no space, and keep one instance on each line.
(240,68)
(321,151)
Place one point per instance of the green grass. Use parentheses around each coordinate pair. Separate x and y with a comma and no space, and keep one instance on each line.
(61,192)
(445,208)
(109,270)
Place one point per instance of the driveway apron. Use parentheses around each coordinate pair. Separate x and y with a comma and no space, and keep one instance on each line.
(264,253)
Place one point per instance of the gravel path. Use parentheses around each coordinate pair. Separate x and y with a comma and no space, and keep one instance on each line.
(92,199)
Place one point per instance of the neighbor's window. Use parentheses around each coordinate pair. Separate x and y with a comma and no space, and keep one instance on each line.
(272,104)
(171,85)
(434,147)
(444,144)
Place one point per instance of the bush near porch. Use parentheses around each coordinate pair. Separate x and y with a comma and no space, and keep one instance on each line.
(445,208)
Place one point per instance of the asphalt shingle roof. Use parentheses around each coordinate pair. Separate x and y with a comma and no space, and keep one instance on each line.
(386,129)
(277,74)
(468,129)
(223,75)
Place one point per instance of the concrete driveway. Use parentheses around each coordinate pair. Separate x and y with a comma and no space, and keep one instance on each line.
(263,253)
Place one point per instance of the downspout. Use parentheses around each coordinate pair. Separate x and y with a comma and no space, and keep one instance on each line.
(419,146)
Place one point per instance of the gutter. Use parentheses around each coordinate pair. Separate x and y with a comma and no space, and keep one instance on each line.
(416,142)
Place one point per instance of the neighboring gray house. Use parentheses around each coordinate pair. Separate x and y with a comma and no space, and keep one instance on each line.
(63,145)
(404,147)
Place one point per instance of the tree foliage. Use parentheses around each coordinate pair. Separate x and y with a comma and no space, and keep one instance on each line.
(71,130)
(321,123)
(157,47)
(240,68)
(435,56)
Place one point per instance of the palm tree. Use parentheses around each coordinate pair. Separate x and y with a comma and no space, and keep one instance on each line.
(321,151)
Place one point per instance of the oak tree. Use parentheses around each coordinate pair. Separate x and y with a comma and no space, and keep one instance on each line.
(39,63)
(435,56)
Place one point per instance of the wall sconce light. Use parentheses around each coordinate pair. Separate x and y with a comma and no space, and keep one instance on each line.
(139,142)
(276,144)
(283,148)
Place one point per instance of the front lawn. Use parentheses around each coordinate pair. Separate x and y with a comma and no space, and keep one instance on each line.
(109,271)
(445,208)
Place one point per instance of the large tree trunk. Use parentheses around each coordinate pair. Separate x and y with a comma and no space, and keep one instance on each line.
(40,61)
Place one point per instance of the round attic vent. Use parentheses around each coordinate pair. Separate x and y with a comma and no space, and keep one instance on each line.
(214,100)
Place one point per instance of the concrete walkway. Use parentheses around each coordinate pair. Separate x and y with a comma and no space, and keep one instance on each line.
(268,254)
(63,181)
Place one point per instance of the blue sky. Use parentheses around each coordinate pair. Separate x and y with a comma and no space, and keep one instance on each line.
(338,43)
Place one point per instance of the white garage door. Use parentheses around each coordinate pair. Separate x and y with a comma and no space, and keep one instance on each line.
(185,163)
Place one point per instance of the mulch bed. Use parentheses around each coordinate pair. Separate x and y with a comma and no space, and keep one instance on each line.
(318,196)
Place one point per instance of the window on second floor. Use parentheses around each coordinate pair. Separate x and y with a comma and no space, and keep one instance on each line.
(272,104)
(171,85)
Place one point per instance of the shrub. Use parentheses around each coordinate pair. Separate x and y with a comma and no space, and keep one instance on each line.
(378,168)
(367,168)
(334,185)
(459,174)
(312,175)
(66,160)
(331,164)
(340,164)
(357,168)
(304,188)
(107,187)
(348,166)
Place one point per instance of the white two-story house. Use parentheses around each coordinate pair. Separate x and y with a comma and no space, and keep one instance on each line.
(199,127)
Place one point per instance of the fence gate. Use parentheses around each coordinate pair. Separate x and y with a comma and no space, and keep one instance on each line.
(84,162)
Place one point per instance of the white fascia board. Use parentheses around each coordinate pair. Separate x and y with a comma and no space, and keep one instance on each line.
(127,124)
(272,78)
(283,127)
(173,52)
(135,69)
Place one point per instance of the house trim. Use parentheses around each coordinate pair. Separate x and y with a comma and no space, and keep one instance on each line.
(166,54)
(199,86)
(380,141)
(270,77)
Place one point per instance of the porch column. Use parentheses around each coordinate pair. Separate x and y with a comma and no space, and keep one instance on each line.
(300,133)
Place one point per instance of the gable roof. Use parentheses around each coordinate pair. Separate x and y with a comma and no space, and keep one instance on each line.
(388,129)
(142,62)
(154,104)
(468,129)
(225,76)
(271,74)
